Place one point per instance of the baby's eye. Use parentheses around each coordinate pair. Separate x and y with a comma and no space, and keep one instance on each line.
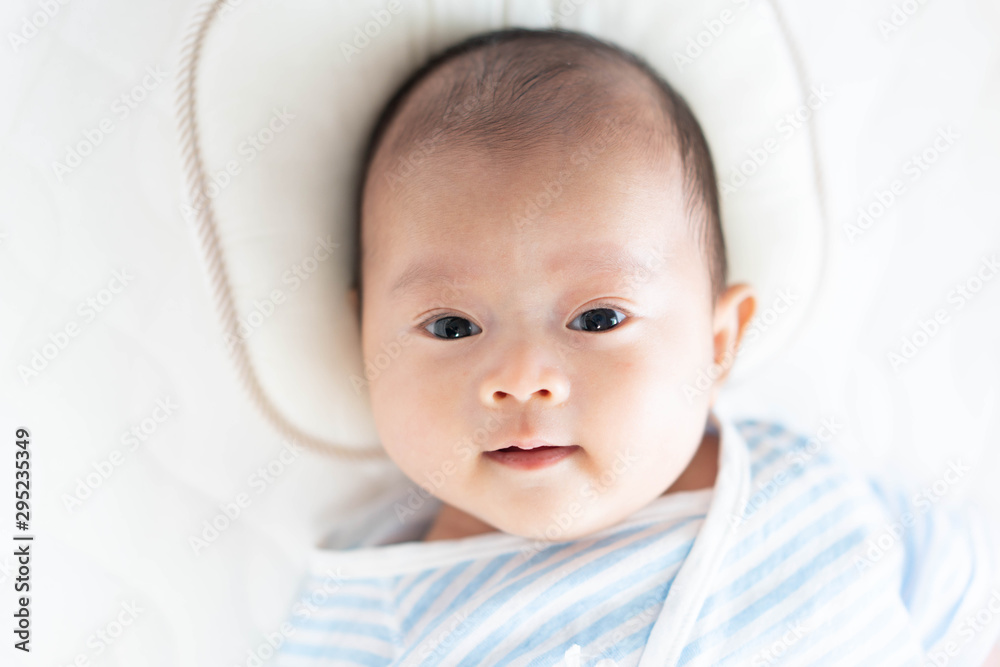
(598,319)
(453,327)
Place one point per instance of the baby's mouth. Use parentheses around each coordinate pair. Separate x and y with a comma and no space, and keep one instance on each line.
(530,449)
(524,445)
(529,456)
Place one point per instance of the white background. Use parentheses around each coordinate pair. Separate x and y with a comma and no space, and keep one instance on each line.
(62,241)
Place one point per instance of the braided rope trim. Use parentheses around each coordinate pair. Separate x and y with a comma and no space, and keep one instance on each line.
(206,231)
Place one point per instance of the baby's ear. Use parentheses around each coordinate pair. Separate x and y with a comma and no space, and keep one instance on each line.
(733,311)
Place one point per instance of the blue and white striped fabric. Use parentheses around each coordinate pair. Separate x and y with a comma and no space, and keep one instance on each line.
(789,560)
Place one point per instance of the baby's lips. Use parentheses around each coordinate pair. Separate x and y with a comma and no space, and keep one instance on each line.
(531,459)
(527,444)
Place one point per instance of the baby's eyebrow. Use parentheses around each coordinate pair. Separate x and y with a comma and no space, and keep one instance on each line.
(604,259)
(420,274)
(579,260)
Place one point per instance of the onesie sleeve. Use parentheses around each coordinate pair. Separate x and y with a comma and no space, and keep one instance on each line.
(950,582)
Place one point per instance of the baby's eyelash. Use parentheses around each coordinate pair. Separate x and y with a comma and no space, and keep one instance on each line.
(609,306)
(438,316)
(597,306)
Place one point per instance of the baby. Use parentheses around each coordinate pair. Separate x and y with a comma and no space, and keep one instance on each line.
(539,235)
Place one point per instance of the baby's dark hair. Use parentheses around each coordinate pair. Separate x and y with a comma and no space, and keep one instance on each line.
(504,90)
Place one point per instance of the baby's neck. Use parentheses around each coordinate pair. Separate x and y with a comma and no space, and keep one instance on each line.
(703,468)
(452,523)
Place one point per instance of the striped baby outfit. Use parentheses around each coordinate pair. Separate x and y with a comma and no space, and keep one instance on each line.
(791,559)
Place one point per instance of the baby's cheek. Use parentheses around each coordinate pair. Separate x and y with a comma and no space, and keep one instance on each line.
(652,392)
(414,406)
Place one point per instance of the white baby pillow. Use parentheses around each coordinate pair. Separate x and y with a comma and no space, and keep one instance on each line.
(276,99)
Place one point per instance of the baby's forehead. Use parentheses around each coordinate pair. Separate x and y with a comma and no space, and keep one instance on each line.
(578,197)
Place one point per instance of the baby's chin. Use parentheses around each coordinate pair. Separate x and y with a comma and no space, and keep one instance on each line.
(454,523)
(553,522)
(563,503)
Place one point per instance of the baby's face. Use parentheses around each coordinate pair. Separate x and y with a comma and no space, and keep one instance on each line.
(559,297)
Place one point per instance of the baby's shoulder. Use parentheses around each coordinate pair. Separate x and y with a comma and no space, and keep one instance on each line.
(789,469)
(774,448)
(931,553)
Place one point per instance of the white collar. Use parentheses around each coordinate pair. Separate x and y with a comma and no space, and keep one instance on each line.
(687,593)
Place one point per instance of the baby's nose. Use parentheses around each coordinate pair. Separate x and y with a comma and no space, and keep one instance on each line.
(522,375)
